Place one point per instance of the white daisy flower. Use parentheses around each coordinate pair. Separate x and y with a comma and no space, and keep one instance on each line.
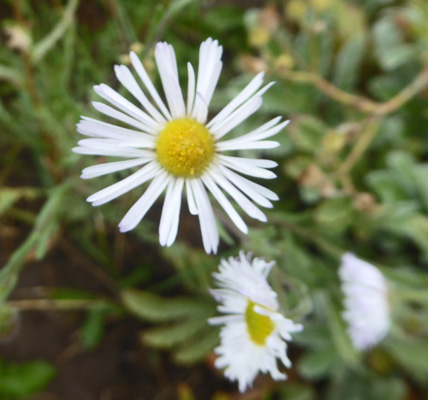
(254,332)
(176,148)
(367,309)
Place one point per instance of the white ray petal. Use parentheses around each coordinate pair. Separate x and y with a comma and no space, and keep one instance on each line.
(115,143)
(138,65)
(242,201)
(209,70)
(92,127)
(242,97)
(126,78)
(190,89)
(111,192)
(167,66)
(210,236)
(122,152)
(264,144)
(253,137)
(168,226)
(254,191)
(137,212)
(191,199)
(239,115)
(113,113)
(243,166)
(107,93)
(225,203)
(108,168)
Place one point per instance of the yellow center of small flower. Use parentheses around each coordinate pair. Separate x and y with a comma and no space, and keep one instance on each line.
(184,148)
(259,326)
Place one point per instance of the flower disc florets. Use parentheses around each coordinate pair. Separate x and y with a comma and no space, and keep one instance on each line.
(185,148)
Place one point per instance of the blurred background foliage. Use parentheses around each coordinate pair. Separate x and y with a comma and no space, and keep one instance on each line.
(353,176)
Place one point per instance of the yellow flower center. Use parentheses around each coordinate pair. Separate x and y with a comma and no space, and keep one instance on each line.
(184,148)
(259,326)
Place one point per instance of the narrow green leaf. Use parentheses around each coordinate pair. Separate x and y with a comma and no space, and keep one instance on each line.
(168,336)
(316,364)
(92,330)
(41,48)
(158,309)
(348,62)
(197,349)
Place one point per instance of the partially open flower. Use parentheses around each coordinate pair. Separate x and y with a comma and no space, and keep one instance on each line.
(366,302)
(254,333)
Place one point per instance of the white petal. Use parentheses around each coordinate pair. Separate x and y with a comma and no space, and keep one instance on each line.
(252,138)
(126,78)
(254,191)
(264,144)
(168,226)
(209,70)
(225,203)
(210,236)
(243,96)
(190,89)
(122,152)
(92,127)
(191,199)
(125,185)
(138,65)
(137,212)
(115,143)
(113,113)
(107,93)
(243,202)
(245,167)
(239,115)
(108,168)
(167,66)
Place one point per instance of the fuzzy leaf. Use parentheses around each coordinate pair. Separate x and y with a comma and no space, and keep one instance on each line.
(154,308)
(196,350)
(168,336)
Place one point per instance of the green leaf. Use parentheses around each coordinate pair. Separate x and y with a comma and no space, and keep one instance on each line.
(389,45)
(421,181)
(348,62)
(92,330)
(336,213)
(385,186)
(402,166)
(45,238)
(158,309)
(196,350)
(21,380)
(9,273)
(317,363)
(339,334)
(164,337)
(177,6)
(46,44)
(315,335)
(295,391)
(9,319)
(9,196)
(411,354)
(307,132)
